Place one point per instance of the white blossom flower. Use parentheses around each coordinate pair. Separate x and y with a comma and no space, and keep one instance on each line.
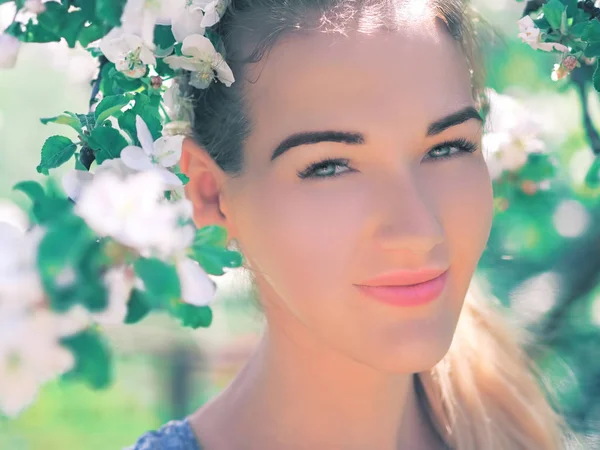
(141,16)
(531,34)
(130,54)
(201,58)
(154,156)
(513,132)
(213,11)
(196,287)
(9,51)
(20,284)
(30,355)
(132,211)
(120,282)
(187,18)
(75,180)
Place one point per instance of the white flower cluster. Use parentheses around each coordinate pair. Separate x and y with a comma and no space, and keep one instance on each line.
(513,132)
(30,351)
(532,35)
(131,209)
(131,46)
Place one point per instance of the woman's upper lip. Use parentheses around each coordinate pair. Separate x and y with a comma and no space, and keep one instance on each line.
(404,277)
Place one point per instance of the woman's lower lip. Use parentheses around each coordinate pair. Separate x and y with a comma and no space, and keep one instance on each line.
(414,295)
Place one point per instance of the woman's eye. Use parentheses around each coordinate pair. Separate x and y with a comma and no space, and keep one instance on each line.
(327,168)
(450,149)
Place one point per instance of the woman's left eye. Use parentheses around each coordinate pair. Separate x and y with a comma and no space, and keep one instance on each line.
(449,149)
(325,169)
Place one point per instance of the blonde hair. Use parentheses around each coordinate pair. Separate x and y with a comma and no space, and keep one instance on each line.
(484,394)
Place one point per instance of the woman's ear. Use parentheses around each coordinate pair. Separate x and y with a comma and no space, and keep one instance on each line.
(204,186)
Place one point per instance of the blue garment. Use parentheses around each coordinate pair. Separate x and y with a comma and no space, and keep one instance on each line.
(174,435)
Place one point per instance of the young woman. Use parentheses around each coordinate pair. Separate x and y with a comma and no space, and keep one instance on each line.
(345,158)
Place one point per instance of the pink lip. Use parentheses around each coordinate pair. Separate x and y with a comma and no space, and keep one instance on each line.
(411,295)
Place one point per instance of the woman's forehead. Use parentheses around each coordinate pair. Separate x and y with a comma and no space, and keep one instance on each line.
(318,79)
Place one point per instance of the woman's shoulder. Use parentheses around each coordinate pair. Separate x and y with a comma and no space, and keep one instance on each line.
(173,435)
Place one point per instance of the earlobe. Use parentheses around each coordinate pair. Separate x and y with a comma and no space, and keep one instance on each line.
(204,186)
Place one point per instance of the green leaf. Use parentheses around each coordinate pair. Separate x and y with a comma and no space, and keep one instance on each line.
(93,362)
(128,125)
(571,6)
(160,280)
(592,31)
(54,18)
(578,29)
(56,151)
(163,36)
(114,82)
(34,32)
(192,316)
(64,119)
(592,49)
(214,259)
(51,209)
(110,105)
(564,23)
(138,307)
(211,235)
(90,33)
(73,26)
(110,11)
(63,245)
(32,189)
(107,142)
(163,69)
(183,177)
(596,76)
(592,178)
(88,121)
(553,11)
(149,112)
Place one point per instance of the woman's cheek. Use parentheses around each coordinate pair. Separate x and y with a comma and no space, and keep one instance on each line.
(301,237)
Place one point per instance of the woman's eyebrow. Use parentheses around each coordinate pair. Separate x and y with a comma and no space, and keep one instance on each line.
(313,137)
(452,120)
(344,137)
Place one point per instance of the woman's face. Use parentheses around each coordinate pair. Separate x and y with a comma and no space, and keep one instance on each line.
(386,204)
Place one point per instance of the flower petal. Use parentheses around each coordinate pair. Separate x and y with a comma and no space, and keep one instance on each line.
(223,70)
(188,23)
(9,51)
(135,158)
(213,11)
(169,178)
(144,135)
(199,47)
(184,62)
(167,150)
(74,181)
(196,286)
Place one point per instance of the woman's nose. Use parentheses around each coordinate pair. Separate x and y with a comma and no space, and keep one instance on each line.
(405,217)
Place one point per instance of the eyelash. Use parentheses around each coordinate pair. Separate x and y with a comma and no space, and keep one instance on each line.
(463,145)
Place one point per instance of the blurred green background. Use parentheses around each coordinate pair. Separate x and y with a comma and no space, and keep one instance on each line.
(542,260)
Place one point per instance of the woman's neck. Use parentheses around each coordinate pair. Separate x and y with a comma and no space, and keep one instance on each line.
(298,394)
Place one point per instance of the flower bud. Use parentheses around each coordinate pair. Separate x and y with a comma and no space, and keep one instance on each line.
(529,187)
(9,51)
(559,72)
(570,63)
(156,82)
